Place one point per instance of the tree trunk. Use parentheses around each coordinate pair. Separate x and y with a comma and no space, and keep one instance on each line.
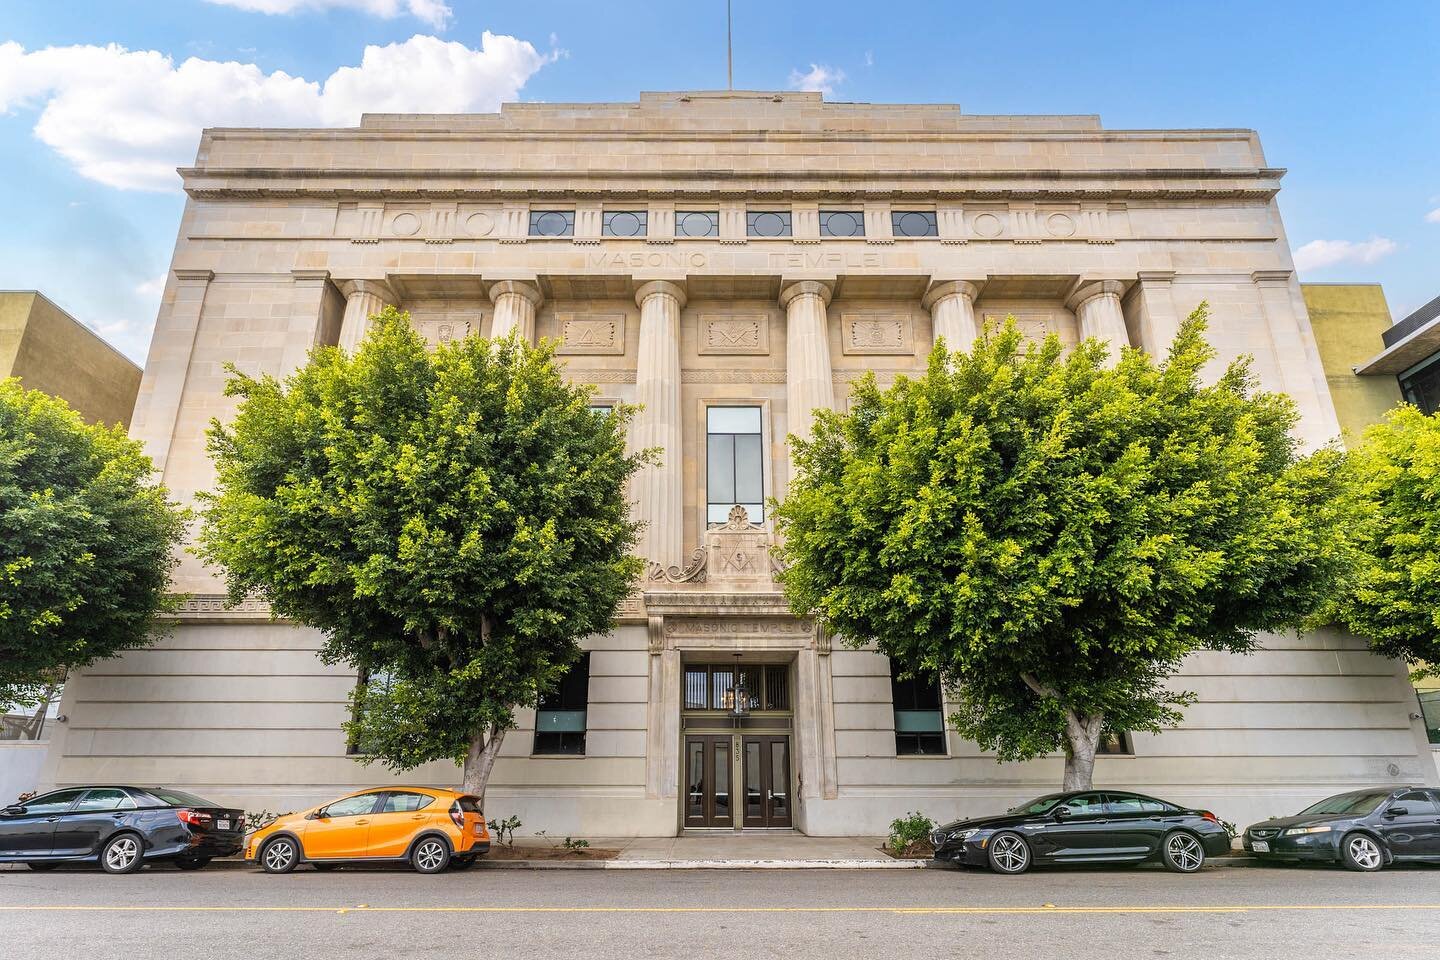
(1082,739)
(480,760)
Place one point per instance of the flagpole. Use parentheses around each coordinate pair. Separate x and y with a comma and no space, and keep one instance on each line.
(729,56)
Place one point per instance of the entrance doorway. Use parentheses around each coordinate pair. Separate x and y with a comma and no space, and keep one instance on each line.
(767,780)
(707,781)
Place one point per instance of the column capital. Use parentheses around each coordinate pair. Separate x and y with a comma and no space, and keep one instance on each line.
(941,289)
(654,288)
(310,276)
(204,276)
(377,288)
(1087,290)
(823,289)
(521,288)
(1271,276)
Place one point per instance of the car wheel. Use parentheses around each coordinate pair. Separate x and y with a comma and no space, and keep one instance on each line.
(279,855)
(122,854)
(430,855)
(1183,852)
(1362,852)
(1009,853)
(462,863)
(191,863)
(40,866)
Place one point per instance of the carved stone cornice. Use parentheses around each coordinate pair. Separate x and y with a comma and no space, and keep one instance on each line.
(216,608)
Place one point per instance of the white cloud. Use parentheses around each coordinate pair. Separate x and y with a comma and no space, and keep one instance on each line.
(821,78)
(1318,254)
(1433,216)
(433,12)
(869,58)
(127,118)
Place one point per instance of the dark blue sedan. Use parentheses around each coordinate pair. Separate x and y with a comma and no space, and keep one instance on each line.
(121,828)
(1364,830)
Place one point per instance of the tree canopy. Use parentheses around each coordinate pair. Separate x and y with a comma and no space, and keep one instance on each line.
(1396,598)
(1051,537)
(87,542)
(456,520)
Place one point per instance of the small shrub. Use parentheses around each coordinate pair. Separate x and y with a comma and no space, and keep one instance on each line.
(575,846)
(910,834)
(1230,828)
(504,830)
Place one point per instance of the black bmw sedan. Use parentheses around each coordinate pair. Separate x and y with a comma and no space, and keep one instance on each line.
(121,828)
(1106,826)
(1363,829)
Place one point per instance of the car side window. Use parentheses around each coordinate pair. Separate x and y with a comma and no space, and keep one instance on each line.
(1123,803)
(1085,805)
(405,802)
(1416,802)
(108,799)
(352,806)
(57,802)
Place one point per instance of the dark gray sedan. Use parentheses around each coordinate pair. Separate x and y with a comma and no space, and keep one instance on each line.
(1363,829)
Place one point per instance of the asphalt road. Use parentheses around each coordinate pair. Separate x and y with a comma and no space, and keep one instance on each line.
(1221,913)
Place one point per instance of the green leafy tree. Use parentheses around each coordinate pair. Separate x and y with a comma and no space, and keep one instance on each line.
(87,543)
(1051,538)
(1396,598)
(455,520)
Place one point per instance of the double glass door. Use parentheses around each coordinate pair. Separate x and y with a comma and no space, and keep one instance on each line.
(765,777)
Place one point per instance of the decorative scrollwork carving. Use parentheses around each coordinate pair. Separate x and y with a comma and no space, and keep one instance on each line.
(692,572)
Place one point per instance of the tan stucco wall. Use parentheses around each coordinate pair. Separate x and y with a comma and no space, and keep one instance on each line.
(51,351)
(1347,319)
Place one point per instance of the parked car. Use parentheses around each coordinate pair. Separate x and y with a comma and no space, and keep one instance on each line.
(1089,826)
(425,827)
(120,827)
(1363,829)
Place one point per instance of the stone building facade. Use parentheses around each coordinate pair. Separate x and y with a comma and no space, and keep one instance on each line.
(732,261)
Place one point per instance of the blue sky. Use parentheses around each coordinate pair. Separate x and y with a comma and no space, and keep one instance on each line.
(1347,98)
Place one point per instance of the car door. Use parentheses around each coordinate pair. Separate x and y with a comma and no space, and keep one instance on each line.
(1134,825)
(1409,825)
(340,829)
(401,815)
(90,821)
(1079,832)
(32,831)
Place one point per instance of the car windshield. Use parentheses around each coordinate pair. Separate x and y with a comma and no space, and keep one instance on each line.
(179,798)
(1039,804)
(1357,803)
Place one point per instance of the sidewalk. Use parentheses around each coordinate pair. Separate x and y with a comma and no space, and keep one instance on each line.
(743,850)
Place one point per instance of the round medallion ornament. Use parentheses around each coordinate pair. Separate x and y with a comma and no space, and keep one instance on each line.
(1060,225)
(987,225)
(405,225)
(479,224)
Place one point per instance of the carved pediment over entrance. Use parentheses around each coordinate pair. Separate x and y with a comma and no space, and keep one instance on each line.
(736,556)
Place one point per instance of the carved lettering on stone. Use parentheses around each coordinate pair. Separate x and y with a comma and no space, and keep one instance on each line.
(876,334)
(729,334)
(592,334)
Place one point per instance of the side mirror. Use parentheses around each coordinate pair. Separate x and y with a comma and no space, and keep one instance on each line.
(316,814)
(1062,813)
(15,810)
(1398,812)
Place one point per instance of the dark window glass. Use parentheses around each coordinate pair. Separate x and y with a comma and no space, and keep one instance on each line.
(179,798)
(767,223)
(552,223)
(469,805)
(1085,805)
(624,223)
(560,717)
(1430,711)
(1115,744)
(107,799)
(735,463)
(697,223)
(777,687)
(1421,386)
(1417,803)
(1360,803)
(919,719)
(1132,803)
(696,683)
(57,802)
(352,806)
(914,223)
(601,408)
(842,223)
(405,802)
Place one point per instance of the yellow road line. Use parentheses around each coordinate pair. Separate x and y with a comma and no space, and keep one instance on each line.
(904,911)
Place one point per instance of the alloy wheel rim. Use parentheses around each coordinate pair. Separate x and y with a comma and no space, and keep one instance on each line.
(1185,852)
(1010,853)
(121,853)
(1365,853)
(278,855)
(429,855)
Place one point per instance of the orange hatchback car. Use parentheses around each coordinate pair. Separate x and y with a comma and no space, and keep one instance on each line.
(428,828)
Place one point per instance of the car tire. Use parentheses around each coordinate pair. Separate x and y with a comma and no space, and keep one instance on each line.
(192,863)
(1182,852)
(463,862)
(1008,853)
(430,855)
(40,866)
(1361,852)
(279,855)
(122,853)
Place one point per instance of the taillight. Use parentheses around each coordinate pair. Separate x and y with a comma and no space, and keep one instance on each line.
(457,816)
(193,817)
(1207,815)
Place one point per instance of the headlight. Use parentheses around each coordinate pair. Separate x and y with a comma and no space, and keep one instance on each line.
(964,834)
(1296,831)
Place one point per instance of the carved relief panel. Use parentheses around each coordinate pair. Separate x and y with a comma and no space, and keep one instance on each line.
(870,332)
(734,334)
(591,333)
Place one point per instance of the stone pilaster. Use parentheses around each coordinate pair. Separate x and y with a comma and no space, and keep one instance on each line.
(952,313)
(1301,375)
(808,383)
(515,304)
(363,300)
(1099,314)
(1156,320)
(659,491)
(163,386)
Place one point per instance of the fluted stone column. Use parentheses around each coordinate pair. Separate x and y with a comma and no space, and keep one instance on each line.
(952,313)
(660,490)
(808,383)
(1097,309)
(515,304)
(363,299)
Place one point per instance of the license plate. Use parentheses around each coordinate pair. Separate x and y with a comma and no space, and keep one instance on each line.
(1260,846)
(222,824)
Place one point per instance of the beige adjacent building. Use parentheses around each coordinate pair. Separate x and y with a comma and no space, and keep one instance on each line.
(732,261)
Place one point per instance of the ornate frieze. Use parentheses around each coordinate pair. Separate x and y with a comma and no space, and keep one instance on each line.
(876,333)
(593,334)
(735,334)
